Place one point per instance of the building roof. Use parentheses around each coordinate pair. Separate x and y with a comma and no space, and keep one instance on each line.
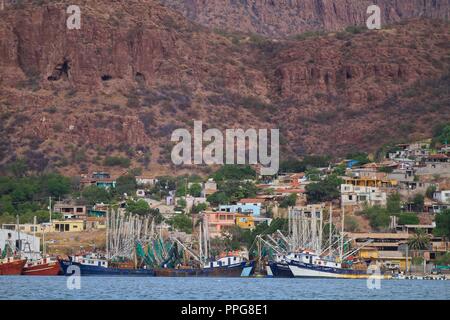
(251,200)
(374,235)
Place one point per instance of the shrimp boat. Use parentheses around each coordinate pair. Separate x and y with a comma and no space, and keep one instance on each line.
(47,266)
(11,261)
(280,268)
(95,265)
(308,264)
(231,265)
(227,264)
(309,255)
(11,266)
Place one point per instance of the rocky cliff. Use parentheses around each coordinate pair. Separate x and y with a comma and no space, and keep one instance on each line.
(280,18)
(137,70)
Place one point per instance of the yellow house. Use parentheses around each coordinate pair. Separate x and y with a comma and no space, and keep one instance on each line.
(368,253)
(389,259)
(67,226)
(245,221)
(370,182)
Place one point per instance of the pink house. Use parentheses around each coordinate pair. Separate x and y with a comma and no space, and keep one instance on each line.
(219,222)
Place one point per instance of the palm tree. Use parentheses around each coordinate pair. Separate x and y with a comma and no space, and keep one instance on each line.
(420,241)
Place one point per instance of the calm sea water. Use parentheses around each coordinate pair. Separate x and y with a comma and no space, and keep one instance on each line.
(148,288)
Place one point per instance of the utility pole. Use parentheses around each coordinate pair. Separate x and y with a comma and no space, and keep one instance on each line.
(50,208)
(18,234)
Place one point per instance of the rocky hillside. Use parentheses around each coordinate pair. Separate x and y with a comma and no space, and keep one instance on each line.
(137,70)
(280,18)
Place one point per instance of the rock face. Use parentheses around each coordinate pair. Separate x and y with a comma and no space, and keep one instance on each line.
(137,70)
(281,18)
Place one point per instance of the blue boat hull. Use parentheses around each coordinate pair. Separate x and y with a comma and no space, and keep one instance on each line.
(280,270)
(86,270)
(228,271)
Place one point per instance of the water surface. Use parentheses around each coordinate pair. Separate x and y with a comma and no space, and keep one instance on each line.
(154,288)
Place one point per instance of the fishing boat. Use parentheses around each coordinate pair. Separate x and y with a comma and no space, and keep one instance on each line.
(95,265)
(280,268)
(202,264)
(11,266)
(11,260)
(47,266)
(310,265)
(227,266)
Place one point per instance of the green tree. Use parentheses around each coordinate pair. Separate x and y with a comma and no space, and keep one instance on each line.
(197,208)
(195,190)
(139,207)
(234,172)
(181,222)
(443,260)
(181,190)
(394,204)
(324,190)
(430,192)
(379,217)
(408,218)
(442,134)
(442,224)
(419,241)
(289,201)
(361,157)
(18,168)
(218,197)
(418,202)
(126,184)
(6,205)
(94,194)
(56,185)
(181,203)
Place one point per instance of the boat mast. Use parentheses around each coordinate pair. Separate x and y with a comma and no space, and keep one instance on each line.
(200,241)
(330,227)
(107,232)
(342,233)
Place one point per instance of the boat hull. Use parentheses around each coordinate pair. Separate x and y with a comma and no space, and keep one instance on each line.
(12,268)
(306,270)
(45,269)
(280,270)
(86,270)
(228,271)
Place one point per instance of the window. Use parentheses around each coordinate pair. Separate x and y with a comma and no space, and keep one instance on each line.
(66,227)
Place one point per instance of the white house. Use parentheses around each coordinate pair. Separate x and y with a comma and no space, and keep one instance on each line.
(357,195)
(442,196)
(146,181)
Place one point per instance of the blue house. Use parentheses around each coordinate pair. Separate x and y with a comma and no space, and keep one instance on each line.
(250,209)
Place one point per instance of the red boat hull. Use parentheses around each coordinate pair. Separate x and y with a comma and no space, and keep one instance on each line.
(45,269)
(12,268)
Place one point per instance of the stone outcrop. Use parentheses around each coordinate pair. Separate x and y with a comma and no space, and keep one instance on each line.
(280,18)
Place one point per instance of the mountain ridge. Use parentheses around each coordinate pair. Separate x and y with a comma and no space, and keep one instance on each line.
(137,70)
